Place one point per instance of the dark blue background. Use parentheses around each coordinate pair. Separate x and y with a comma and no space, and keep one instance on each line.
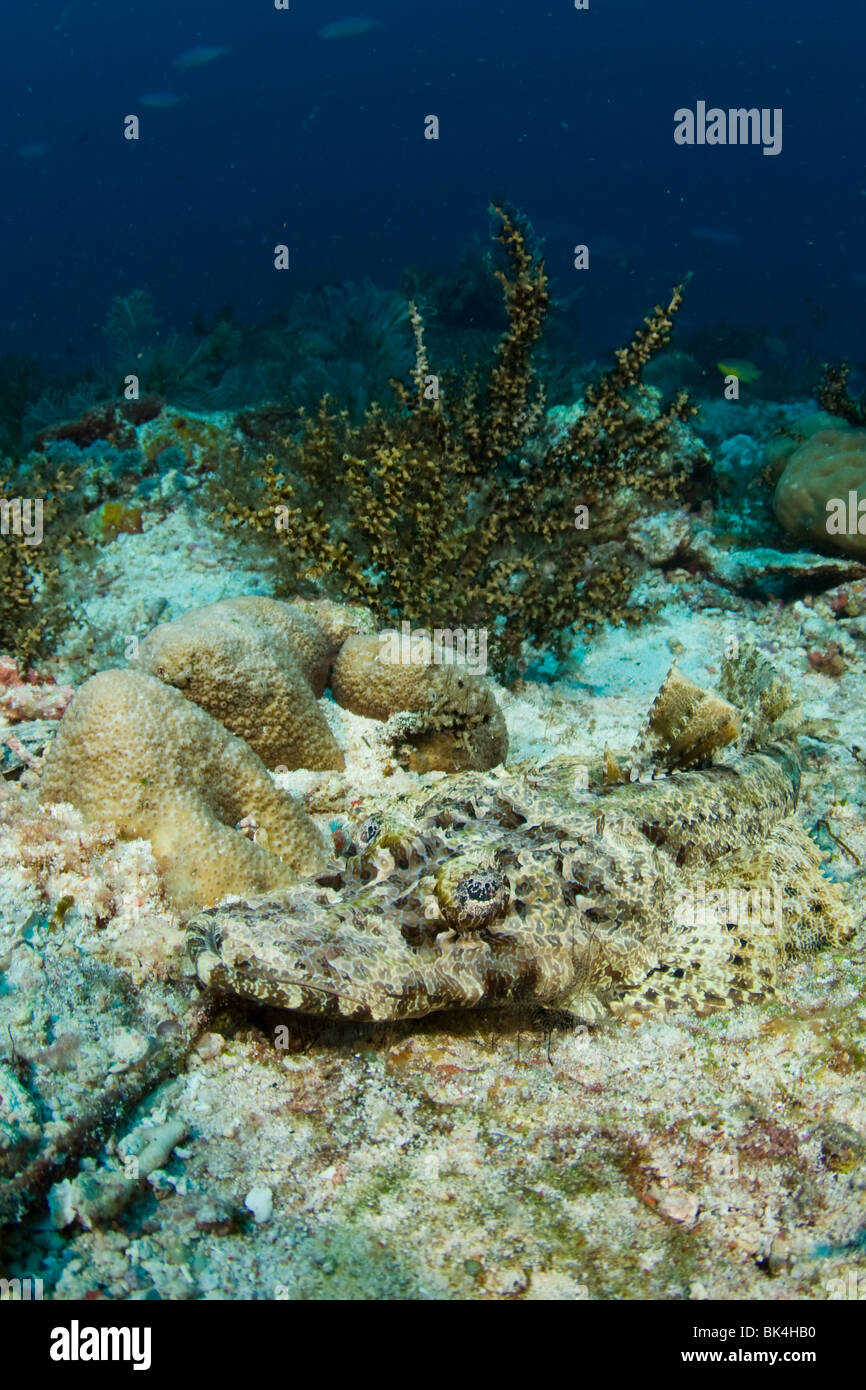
(319,143)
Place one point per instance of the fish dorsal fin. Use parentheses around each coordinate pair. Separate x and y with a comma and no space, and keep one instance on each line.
(686,725)
(771,710)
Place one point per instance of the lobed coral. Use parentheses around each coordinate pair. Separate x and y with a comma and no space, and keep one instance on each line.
(813,496)
(134,751)
(149,748)
(258,666)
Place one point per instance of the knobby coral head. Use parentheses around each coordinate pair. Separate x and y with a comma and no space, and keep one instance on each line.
(176,748)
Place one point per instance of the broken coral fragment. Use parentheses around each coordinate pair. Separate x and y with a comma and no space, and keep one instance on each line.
(27,695)
(135,751)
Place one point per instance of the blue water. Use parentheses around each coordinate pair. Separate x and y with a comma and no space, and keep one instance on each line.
(319,143)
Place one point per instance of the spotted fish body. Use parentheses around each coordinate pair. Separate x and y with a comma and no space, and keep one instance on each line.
(586,915)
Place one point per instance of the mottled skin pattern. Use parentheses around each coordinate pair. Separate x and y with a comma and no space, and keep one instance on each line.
(559,897)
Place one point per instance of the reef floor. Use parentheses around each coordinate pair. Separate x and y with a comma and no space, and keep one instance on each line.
(473,1156)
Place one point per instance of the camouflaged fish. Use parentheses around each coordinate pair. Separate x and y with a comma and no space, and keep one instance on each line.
(599,895)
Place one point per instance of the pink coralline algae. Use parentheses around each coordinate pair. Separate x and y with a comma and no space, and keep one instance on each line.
(31,695)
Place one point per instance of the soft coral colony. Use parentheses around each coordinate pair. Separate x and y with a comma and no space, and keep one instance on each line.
(462,503)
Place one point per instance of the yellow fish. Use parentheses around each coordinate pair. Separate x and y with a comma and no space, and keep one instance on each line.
(743,371)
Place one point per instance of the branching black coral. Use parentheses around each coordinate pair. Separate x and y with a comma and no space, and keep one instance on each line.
(457,506)
(34,532)
(834,396)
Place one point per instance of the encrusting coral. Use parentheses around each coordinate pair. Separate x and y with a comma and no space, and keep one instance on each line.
(258,666)
(457,506)
(834,396)
(135,751)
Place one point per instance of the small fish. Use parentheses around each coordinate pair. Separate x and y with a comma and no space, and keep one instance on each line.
(197,57)
(743,371)
(717,235)
(349,28)
(32,149)
(161,101)
(777,346)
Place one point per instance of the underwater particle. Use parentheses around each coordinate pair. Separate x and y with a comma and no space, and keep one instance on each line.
(260,1201)
(161,101)
(736,366)
(351,28)
(197,57)
(717,235)
(471,896)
